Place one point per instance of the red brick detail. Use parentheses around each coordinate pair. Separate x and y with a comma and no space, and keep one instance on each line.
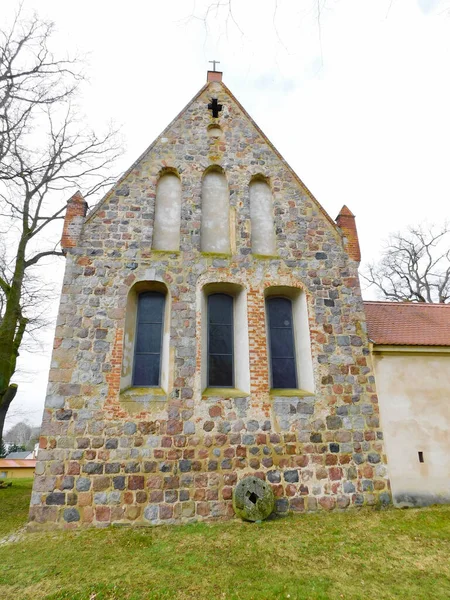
(76,207)
(214,76)
(113,377)
(259,368)
(346,221)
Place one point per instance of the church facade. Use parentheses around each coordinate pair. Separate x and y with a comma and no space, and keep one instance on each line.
(211,327)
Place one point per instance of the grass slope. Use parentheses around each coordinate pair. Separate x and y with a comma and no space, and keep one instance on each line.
(359,554)
(14,504)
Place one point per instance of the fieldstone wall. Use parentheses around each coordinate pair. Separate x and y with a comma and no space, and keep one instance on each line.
(111,456)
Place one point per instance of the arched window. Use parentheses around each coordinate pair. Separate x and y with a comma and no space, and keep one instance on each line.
(281,343)
(224,340)
(166,229)
(215,235)
(148,339)
(220,341)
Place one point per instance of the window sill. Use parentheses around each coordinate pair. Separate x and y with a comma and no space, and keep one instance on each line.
(143,394)
(289,393)
(224,393)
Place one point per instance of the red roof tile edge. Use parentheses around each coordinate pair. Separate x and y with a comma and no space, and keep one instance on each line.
(408,323)
(16,462)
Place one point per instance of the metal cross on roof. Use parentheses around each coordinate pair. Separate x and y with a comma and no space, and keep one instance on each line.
(214,62)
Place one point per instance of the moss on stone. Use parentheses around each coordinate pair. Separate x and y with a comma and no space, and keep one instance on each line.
(216,254)
(265,256)
(136,399)
(253,499)
(157,251)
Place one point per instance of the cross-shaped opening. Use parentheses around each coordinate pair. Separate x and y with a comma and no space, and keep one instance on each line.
(252,497)
(215,107)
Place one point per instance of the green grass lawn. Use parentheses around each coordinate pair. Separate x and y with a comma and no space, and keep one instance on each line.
(360,554)
(14,504)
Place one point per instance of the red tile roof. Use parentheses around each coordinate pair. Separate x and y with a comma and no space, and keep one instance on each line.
(408,323)
(9,463)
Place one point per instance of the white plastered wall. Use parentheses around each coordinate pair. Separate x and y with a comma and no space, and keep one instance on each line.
(414,396)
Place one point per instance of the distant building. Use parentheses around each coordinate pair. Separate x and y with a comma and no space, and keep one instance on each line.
(410,344)
(24,455)
(16,468)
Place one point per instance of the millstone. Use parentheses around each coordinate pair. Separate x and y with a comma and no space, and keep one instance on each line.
(253,499)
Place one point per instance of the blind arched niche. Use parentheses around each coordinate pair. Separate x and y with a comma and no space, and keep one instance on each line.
(166,229)
(215,212)
(261,215)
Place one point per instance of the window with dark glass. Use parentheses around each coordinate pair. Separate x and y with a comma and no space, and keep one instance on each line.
(220,341)
(149,330)
(281,343)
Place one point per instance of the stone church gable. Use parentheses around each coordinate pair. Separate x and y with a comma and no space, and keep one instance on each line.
(188,146)
(173,374)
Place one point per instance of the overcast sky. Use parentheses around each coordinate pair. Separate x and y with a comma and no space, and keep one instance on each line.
(356,99)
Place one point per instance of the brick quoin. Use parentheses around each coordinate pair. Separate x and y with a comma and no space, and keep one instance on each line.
(75,212)
(346,221)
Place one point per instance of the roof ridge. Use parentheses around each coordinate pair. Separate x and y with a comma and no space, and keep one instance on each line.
(416,304)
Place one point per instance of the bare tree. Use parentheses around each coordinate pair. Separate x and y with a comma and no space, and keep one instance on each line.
(414,267)
(46,152)
(20,434)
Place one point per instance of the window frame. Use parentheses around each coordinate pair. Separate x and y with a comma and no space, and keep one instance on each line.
(241,341)
(233,353)
(305,374)
(129,391)
(269,344)
(154,293)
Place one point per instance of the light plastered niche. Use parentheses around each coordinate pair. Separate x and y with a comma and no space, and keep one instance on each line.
(215,132)
(166,228)
(215,233)
(261,216)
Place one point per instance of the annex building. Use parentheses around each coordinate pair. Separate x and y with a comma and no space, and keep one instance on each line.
(211,326)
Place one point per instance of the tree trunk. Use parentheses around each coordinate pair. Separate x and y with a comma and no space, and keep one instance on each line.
(12,329)
(5,400)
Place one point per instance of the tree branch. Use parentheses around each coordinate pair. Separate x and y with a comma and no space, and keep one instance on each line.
(414,266)
(37,257)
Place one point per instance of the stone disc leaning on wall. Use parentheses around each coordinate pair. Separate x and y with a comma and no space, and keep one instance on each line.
(253,499)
